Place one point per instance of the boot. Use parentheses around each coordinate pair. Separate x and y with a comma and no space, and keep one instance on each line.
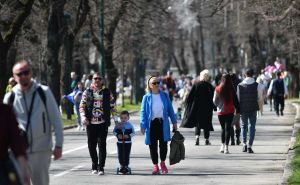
(197,141)
(237,134)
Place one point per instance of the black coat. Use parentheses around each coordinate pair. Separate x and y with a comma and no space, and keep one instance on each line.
(199,107)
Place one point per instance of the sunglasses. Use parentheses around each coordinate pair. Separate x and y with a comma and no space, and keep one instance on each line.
(155,83)
(97,78)
(25,73)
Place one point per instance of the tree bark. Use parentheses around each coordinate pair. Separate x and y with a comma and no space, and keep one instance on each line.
(6,41)
(56,32)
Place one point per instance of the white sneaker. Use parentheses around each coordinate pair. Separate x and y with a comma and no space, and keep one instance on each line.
(101,173)
(78,127)
(94,171)
(222,148)
(226,151)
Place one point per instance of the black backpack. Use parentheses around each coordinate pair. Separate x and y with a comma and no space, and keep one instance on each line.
(39,90)
(278,87)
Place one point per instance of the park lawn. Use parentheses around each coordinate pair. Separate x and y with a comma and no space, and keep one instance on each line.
(128,106)
(295,177)
(69,122)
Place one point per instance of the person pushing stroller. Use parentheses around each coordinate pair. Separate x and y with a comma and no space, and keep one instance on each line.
(124,131)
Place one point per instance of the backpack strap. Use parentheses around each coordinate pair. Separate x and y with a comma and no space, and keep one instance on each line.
(11,98)
(42,95)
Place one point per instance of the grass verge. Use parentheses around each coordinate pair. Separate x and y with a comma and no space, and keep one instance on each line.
(295,177)
(127,106)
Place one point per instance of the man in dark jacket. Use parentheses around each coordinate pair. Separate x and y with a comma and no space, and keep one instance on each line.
(249,94)
(279,91)
(96,106)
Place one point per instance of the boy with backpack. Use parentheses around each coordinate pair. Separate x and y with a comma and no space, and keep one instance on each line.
(124,131)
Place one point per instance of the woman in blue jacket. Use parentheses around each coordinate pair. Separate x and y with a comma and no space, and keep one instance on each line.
(155,109)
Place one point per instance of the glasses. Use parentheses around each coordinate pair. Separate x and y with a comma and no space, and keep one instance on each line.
(97,78)
(155,83)
(25,73)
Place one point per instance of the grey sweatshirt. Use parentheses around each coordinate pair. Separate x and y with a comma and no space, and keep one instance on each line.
(42,120)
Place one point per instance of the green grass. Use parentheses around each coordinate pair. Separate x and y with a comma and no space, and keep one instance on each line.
(67,122)
(295,177)
(127,106)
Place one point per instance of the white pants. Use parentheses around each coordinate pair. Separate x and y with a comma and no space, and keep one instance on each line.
(39,163)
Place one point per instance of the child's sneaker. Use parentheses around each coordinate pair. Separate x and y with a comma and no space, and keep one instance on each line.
(163,167)
(155,170)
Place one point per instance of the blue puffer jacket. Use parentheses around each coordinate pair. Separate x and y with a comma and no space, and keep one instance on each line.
(146,115)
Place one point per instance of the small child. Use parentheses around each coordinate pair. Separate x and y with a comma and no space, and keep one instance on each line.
(124,131)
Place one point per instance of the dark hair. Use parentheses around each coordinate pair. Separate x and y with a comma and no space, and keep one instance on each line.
(249,72)
(278,74)
(125,112)
(90,77)
(226,88)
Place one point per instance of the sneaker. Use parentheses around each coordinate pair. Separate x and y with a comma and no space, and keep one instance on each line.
(232,143)
(83,128)
(245,148)
(222,148)
(250,151)
(197,141)
(163,167)
(78,127)
(226,151)
(94,171)
(101,171)
(281,112)
(155,170)
(207,142)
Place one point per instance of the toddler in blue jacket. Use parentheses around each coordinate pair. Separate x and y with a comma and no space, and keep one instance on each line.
(124,131)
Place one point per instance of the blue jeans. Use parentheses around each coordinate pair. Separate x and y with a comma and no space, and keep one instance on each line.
(76,109)
(251,116)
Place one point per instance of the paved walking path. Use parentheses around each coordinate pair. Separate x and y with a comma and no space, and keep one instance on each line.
(203,164)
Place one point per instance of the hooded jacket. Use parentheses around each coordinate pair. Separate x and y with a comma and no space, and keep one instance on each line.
(42,120)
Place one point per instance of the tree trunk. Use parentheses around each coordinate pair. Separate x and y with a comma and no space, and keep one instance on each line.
(56,31)
(7,40)
(195,51)
(68,45)
(184,66)
(201,37)
(3,69)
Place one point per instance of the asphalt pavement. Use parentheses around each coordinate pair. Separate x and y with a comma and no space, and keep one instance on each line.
(202,165)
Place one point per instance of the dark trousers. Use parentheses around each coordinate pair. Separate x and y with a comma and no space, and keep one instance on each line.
(225,122)
(97,135)
(156,134)
(278,100)
(124,153)
(198,132)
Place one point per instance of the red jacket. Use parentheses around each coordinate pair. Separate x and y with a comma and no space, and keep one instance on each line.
(10,134)
(224,108)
